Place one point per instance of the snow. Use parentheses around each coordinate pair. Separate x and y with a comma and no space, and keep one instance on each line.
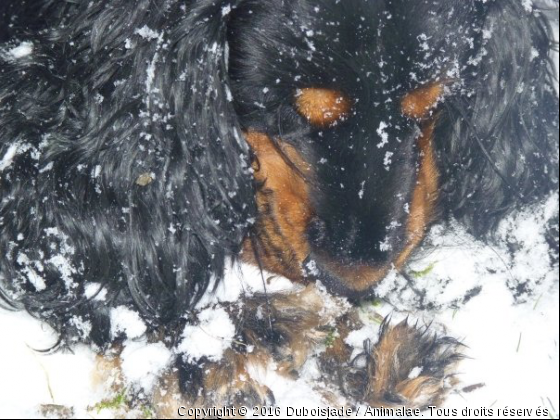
(244,280)
(381,132)
(211,338)
(95,292)
(147,33)
(356,338)
(513,354)
(22,50)
(96,171)
(34,379)
(144,363)
(388,160)
(455,265)
(415,373)
(528,5)
(9,156)
(32,274)
(124,320)
(226,10)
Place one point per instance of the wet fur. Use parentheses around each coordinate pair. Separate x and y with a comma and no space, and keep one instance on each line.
(152,187)
(282,332)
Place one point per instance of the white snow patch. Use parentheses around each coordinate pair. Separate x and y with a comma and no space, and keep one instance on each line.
(65,269)
(226,10)
(362,191)
(312,268)
(31,270)
(24,49)
(147,33)
(244,280)
(83,326)
(416,372)
(381,131)
(9,156)
(356,339)
(388,160)
(30,379)
(95,291)
(210,338)
(96,171)
(528,5)
(124,320)
(143,363)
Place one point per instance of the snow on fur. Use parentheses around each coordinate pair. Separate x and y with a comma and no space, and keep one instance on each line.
(512,339)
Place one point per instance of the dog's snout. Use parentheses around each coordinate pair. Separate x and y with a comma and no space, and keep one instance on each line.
(353,241)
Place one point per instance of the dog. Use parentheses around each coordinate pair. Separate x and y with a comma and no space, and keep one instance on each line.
(145,143)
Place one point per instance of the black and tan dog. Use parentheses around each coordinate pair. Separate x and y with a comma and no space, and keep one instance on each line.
(143,143)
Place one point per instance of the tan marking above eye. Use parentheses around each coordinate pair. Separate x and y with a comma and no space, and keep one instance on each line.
(420,102)
(322,107)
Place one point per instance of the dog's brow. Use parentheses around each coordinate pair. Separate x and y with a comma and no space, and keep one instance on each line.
(418,103)
(322,107)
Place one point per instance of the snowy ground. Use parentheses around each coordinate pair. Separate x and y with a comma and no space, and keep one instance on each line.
(513,340)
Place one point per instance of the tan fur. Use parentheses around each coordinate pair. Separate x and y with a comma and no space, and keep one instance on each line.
(230,378)
(309,331)
(420,102)
(386,360)
(285,211)
(167,397)
(225,384)
(402,349)
(283,205)
(304,319)
(322,107)
(358,277)
(385,379)
(425,195)
(338,354)
(108,371)
(421,389)
(300,318)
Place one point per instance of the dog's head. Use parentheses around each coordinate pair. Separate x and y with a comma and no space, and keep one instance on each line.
(318,138)
(370,119)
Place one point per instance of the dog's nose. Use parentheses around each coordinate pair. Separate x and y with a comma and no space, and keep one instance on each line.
(352,241)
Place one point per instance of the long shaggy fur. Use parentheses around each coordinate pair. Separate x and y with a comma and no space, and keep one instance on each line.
(154,248)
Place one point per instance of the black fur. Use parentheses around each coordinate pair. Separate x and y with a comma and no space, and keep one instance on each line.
(131,163)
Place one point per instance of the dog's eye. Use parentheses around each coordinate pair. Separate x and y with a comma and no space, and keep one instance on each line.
(322,107)
(419,103)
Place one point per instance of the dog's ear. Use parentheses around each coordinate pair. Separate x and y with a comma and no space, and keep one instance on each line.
(498,137)
(196,214)
(123,148)
(18,16)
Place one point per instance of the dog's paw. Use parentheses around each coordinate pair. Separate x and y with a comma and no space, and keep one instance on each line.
(409,366)
(227,383)
(230,383)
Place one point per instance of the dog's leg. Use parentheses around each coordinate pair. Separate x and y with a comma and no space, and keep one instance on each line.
(276,332)
(206,385)
(407,367)
(108,370)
